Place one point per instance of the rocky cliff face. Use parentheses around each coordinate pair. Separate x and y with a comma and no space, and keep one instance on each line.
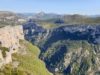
(67,50)
(9,42)
(18,56)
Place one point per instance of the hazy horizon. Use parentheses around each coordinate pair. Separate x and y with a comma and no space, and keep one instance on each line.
(85,7)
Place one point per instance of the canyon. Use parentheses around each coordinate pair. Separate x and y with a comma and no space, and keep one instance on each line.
(65,50)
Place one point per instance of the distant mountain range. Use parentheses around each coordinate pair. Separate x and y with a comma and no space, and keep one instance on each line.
(43,15)
(68,19)
(11,18)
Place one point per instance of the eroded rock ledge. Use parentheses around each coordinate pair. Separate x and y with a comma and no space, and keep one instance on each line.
(9,42)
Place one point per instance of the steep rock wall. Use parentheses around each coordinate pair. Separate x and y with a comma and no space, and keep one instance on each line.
(9,38)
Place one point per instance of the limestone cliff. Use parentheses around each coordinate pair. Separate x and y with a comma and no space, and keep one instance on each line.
(17,56)
(9,38)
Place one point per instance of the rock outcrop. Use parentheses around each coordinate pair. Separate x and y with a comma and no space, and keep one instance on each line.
(9,38)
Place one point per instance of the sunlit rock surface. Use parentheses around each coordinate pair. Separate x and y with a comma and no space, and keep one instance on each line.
(9,40)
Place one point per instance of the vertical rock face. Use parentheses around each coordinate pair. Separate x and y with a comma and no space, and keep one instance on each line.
(9,36)
(9,40)
(24,60)
(34,33)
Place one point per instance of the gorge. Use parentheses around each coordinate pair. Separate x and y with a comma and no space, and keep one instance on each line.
(67,50)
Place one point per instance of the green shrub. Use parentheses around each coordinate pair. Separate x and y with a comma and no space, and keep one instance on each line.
(4,50)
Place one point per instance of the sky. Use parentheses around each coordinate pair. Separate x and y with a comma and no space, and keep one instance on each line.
(86,7)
